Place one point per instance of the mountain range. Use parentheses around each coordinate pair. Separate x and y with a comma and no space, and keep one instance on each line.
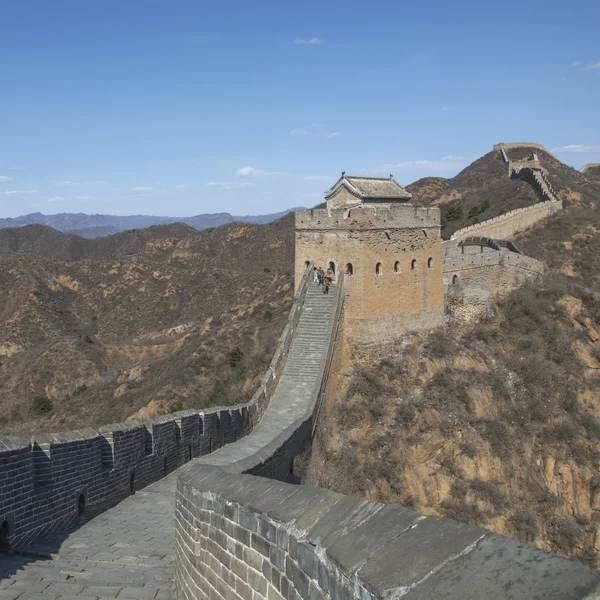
(92,226)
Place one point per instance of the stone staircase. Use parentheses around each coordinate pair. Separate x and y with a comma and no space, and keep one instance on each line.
(543,183)
(298,386)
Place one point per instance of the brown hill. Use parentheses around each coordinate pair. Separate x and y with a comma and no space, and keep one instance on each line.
(151,319)
(483,190)
(496,424)
(592,173)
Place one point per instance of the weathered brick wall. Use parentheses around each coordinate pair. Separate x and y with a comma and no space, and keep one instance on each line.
(44,480)
(240,536)
(403,293)
(506,225)
(491,270)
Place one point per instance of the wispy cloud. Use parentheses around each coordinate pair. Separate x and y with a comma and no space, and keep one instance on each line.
(229,185)
(5,179)
(315,130)
(576,149)
(444,108)
(77,183)
(581,66)
(249,171)
(83,198)
(333,134)
(56,199)
(19,192)
(298,131)
(180,187)
(308,41)
(143,189)
(16,168)
(448,163)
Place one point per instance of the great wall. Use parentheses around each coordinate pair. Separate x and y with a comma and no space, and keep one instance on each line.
(80,516)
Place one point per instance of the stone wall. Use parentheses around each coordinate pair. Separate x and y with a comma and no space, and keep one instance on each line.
(240,536)
(491,270)
(589,166)
(47,482)
(521,145)
(506,225)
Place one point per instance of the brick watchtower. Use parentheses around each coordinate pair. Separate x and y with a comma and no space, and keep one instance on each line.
(389,249)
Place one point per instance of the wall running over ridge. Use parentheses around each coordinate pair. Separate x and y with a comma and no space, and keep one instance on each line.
(505,226)
(492,270)
(510,145)
(43,481)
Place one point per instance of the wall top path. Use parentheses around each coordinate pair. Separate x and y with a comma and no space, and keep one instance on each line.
(509,145)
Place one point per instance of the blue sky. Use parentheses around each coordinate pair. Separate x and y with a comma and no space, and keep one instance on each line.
(186,107)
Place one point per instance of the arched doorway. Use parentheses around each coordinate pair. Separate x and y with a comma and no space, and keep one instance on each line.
(454,279)
(307,264)
(349,269)
(332,266)
(397,267)
(413,264)
(430,263)
(81,504)
(4,534)
(378,269)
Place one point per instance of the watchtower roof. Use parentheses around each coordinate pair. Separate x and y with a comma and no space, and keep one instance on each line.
(385,189)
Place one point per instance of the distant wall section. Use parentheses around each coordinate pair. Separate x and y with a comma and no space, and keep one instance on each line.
(505,226)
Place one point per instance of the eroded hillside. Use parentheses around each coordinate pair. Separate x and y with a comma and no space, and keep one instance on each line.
(484,190)
(146,321)
(496,424)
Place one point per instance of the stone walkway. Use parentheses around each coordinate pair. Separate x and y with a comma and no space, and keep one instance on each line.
(126,552)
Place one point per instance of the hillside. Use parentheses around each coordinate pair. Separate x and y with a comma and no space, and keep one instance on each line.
(103,328)
(92,226)
(496,424)
(483,190)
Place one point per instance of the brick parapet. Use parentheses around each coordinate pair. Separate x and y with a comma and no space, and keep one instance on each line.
(43,479)
(506,225)
(240,536)
(368,216)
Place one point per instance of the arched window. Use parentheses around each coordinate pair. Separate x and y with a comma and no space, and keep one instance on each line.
(397,267)
(379,269)
(332,266)
(307,264)
(430,263)
(454,279)
(413,264)
(349,269)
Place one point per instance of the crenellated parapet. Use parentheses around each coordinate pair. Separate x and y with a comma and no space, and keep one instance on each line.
(368,217)
(48,481)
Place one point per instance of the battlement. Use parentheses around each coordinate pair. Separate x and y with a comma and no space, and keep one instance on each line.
(512,145)
(368,216)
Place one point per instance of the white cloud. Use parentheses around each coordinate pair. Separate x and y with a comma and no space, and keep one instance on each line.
(180,187)
(5,179)
(576,149)
(56,199)
(143,189)
(84,198)
(229,185)
(77,183)
(19,192)
(308,41)
(334,134)
(585,66)
(16,168)
(248,172)
(298,131)
(447,163)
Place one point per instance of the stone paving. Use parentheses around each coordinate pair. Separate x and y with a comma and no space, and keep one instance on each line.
(126,552)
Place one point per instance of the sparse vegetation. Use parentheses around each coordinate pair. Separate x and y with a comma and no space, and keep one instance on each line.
(41,405)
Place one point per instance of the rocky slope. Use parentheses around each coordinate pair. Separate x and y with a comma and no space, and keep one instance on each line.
(152,320)
(483,190)
(496,424)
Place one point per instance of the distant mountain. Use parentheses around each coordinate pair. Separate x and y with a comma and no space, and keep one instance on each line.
(92,226)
